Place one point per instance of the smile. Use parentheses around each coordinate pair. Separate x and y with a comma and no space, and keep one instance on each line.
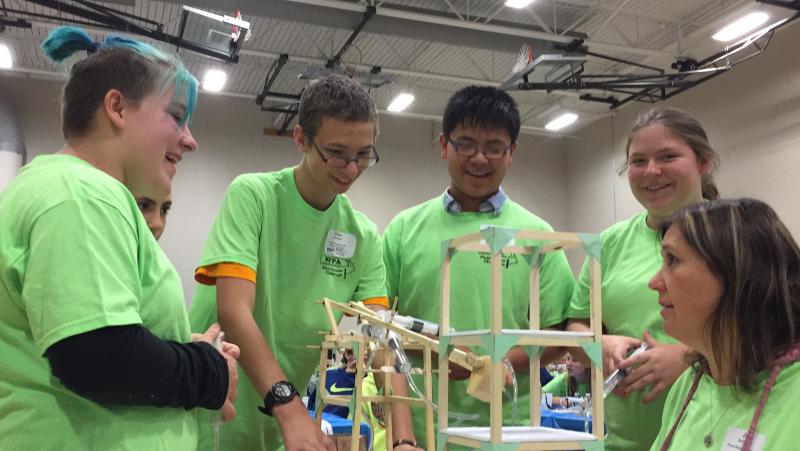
(657,187)
(477,174)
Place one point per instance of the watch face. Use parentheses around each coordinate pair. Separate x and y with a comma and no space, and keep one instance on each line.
(282,390)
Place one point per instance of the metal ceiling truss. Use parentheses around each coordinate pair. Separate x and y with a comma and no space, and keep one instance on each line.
(99,16)
(658,85)
(290,107)
(791,4)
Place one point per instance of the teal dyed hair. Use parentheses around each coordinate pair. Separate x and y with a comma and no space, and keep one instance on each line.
(134,68)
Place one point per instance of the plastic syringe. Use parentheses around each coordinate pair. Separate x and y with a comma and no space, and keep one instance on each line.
(617,375)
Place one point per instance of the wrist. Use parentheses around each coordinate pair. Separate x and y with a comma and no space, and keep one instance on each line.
(287,412)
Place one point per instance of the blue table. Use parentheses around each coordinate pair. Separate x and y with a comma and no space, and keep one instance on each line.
(343,426)
(564,420)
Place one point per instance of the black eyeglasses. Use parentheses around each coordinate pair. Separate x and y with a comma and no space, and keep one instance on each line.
(490,151)
(362,161)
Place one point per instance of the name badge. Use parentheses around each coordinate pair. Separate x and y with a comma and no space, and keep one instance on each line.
(340,244)
(734,440)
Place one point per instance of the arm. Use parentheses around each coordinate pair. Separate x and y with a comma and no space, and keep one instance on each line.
(235,299)
(402,427)
(128,365)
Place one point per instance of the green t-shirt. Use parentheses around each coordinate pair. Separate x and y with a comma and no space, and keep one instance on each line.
(76,255)
(378,426)
(412,252)
(559,386)
(715,409)
(631,255)
(300,255)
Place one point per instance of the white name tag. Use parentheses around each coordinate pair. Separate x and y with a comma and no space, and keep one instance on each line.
(734,440)
(340,244)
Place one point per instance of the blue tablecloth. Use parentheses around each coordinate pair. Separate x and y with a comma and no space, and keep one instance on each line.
(343,426)
(564,420)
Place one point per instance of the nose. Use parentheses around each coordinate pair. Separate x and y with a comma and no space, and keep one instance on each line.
(187,141)
(479,158)
(657,283)
(351,168)
(653,167)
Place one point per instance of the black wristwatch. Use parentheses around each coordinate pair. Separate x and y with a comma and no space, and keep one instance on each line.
(281,393)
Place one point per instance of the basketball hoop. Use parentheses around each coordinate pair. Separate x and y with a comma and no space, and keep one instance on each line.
(236,31)
(524,57)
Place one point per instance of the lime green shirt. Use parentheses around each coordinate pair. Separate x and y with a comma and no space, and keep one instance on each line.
(369,409)
(76,255)
(631,255)
(300,255)
(715,409)
(412,252)
(559,386)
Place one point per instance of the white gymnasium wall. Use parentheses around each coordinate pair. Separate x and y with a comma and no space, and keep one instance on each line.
(230,134)
(752,116)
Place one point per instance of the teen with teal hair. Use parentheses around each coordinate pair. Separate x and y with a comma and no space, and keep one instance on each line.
(95,339)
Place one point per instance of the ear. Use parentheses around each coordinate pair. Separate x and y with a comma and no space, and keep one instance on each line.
(299,138)
(705,167)
(511,153)
(115,108)
(443,146)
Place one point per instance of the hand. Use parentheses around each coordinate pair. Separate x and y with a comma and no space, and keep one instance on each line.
(658,367)
(457,372)
(230,352)
(405,447)
(615,350)
(300,432)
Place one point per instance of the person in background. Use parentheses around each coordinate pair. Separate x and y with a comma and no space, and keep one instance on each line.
(340,380)
(572,383)
(93,330)
(729,289)
(670,163)
(281,242)
(478,140)
(155,209)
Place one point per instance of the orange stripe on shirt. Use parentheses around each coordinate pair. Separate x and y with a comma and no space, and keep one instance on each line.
(382,301)
(207,275)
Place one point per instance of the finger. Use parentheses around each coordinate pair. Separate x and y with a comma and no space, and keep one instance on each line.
(196,336)
(329,445)
(620,393)
(651,342)
(640,384)
(231,349)
(209,335)
(228,412)
(655,392)
(639,359)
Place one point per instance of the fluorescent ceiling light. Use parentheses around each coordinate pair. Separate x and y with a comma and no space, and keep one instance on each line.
(519,4)
(5,57)
(562,121)
(401,102)
(742,26)
(214,80)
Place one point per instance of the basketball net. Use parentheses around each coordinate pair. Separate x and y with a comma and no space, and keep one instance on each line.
(524,57)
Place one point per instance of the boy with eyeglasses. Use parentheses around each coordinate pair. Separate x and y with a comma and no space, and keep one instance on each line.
(478,139)
(283,240)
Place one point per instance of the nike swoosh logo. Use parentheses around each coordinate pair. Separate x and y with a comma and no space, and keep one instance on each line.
(335,389)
